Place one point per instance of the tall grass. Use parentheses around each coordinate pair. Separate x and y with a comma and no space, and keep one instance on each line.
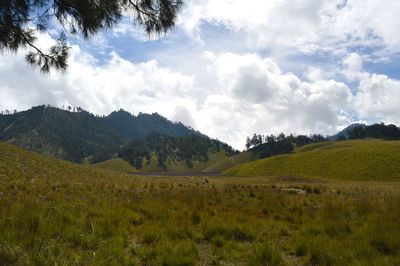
(53,212)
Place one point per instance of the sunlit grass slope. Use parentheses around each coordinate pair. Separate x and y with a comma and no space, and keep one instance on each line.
(346,160)
(217,162)
(19,163)
(116,164)
(222,163)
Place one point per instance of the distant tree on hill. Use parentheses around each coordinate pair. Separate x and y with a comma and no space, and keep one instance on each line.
(376,131)
(169,149)
(271,145)
(22,20)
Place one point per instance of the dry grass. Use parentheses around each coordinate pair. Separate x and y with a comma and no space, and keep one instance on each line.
(52,212)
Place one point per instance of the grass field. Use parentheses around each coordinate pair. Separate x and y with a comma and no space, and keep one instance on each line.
(347,160)
(54,212)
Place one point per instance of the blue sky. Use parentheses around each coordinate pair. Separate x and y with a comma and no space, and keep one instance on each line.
(231,68)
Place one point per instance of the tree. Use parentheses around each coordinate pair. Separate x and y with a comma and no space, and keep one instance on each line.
(22,20)
(248,143)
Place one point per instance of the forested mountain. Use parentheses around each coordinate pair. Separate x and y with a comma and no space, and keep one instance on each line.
(130,127)
(375,131)
(167,150)
(77,135)
(345,133)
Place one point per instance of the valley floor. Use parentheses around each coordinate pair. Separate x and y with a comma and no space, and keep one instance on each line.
(132,220)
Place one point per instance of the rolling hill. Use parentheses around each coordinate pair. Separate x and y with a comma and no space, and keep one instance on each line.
(374,160)
(19,164)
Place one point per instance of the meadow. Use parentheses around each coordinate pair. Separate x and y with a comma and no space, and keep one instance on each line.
(53,212)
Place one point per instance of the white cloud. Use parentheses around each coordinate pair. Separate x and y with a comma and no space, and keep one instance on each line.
(378,99)
(255,96)
(333,26)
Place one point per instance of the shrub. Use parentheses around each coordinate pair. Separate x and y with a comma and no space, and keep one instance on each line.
(320,257)
(196,218)
(179,254)
(151,235)
(337,230)
(218,241)
(301,249)
(9,254)
(264,254)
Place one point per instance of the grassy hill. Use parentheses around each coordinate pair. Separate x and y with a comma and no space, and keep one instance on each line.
(116,164)
(346,160)
(17,163)
(217,162)
(222,163)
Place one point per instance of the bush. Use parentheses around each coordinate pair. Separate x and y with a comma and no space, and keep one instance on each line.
(337,230)
(9,254)
(151,235)
(179,254)
(301,249)
(264,254)
(196,218)
(320,257)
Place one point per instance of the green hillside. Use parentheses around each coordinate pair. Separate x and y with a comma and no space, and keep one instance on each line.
(346,160)
(20,164)
(116,164)
(222,163)
(217,162)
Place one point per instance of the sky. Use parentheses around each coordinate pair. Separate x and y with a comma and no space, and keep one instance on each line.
(231,68)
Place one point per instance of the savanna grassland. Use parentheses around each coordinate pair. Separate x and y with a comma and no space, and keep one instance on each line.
(53,212)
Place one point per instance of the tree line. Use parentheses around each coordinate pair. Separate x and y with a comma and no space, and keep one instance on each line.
(270,145)
(375,131)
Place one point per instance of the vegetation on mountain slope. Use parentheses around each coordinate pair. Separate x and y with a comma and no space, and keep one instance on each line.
(55,212)
(347,160)
(77,135)
(172,152)
(362,131)
(116,164)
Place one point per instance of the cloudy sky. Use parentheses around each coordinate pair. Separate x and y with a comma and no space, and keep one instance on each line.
(233,67)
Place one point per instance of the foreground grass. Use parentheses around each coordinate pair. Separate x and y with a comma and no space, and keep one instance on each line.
(78,216)
(365,160)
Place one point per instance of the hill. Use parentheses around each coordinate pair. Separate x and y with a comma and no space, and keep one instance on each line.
(78,135)
(116,164)
(19,164)
(346,160)
(175,154)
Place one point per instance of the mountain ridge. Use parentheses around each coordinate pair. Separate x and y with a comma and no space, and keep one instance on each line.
(80,136)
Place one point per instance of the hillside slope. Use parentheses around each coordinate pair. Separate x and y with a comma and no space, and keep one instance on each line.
(16,163)
(81,136)
(346,160)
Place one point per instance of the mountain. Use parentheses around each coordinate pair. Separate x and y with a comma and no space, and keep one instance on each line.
(376,160)
(81,136)
(374,131)
(346,132)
